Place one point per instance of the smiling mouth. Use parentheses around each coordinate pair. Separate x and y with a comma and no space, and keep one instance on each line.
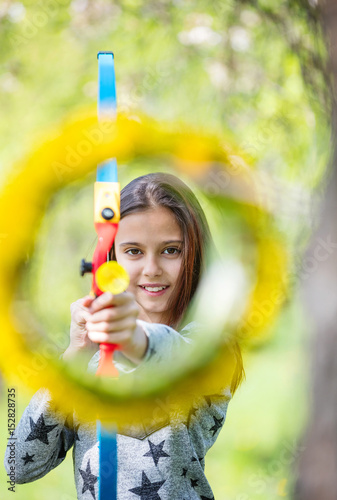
(154,289)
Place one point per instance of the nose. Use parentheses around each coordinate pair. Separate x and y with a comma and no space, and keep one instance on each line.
(152,266)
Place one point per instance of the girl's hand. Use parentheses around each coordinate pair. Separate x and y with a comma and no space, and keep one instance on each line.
(117,324)
(79,340)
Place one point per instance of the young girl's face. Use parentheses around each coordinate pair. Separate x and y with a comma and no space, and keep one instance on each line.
(149,246)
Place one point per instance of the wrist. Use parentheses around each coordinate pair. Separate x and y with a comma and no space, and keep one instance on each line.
(69,353)
(136,350)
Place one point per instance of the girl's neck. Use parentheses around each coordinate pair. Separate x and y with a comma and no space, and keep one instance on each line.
(158,318)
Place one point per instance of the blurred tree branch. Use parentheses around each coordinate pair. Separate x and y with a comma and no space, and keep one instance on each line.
(311,52)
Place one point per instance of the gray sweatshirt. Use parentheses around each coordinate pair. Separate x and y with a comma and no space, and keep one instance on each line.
(164,462)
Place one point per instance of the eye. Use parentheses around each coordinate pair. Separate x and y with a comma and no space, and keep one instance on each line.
(133,251)
(172,250)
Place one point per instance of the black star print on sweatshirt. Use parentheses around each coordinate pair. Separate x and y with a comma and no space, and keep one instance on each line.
(27,458)
(39,430)
(197,459)
(156,452)
(89,480)
(184,472)
(148,490)
(206,498)
(194,483)
(217,424)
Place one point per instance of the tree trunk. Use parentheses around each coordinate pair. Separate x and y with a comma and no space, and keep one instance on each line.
(317,468)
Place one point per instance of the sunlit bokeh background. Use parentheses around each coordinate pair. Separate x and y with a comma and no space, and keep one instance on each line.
(249,70)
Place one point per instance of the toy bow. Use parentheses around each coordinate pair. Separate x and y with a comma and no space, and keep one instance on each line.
(107,275)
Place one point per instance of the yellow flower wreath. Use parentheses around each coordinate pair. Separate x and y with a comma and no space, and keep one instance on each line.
(69,153)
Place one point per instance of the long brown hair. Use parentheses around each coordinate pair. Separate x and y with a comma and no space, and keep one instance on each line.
(166,190)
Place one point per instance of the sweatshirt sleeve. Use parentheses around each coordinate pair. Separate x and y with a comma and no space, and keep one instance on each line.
(40,441)
(163,343)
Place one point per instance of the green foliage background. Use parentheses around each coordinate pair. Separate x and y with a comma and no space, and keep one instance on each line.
(253,71)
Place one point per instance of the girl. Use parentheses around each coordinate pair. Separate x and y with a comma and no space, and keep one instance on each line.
(161,242)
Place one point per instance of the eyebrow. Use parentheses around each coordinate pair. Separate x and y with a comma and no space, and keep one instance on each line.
(136,244)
